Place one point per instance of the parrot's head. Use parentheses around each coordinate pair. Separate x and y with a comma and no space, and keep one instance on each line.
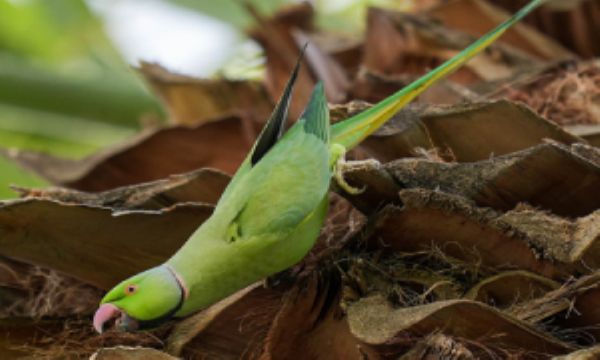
(143,301)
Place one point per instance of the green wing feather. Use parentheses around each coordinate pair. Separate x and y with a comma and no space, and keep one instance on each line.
(315,117)
(268,219)
(291,180)
(271,132)
(352,131)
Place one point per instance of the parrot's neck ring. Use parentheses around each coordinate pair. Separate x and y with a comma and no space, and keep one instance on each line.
(184,290)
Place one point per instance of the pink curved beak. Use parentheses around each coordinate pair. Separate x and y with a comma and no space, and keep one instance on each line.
(105,313)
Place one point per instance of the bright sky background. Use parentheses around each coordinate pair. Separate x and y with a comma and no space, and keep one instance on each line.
(154,30)
(182,40)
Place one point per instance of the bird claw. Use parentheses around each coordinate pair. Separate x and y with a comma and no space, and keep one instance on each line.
(338,161)
(338,174)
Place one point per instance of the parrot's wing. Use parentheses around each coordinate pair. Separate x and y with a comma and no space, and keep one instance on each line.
(315,118)
(290,180)
(270,134)
(352,131)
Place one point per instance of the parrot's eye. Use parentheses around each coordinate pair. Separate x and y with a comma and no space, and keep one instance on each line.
(131,289)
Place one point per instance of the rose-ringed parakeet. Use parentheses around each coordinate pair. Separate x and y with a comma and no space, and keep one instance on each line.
(271,212)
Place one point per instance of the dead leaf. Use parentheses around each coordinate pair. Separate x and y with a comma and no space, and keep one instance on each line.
(325,69)
(464,133)
(590,133)
(511,287)
(151,156)
(458,228)
(346,50)
(485,16)
(583,314)
(193,101)
(372,87)
(571,308)
(573,22)
(400,43)
(551,176)
(94,244)
(233,328)
(276,36)
(201,186)
(310,319)
(375,322)
(523,238)
(409,278)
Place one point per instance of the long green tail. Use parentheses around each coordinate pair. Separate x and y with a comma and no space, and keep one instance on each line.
(352,131)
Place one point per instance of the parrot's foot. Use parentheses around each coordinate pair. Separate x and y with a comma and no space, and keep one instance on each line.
(338,161)
(341,166)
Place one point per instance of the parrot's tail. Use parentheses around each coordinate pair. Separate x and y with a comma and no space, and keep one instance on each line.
(352,131)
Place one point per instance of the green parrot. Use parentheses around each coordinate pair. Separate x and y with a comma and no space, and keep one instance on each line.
(271,213)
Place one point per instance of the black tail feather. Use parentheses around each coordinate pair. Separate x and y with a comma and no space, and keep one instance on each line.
(274,128)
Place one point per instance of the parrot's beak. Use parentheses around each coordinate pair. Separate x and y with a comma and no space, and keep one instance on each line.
(108,312)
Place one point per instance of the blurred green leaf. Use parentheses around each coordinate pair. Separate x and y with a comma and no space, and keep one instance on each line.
(57,31)
(11,174)
(18,140)
(106,99)
(58,135)
(55,57)
(64,89)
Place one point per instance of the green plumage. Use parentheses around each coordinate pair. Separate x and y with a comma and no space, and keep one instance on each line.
(271,213)
(274,224)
